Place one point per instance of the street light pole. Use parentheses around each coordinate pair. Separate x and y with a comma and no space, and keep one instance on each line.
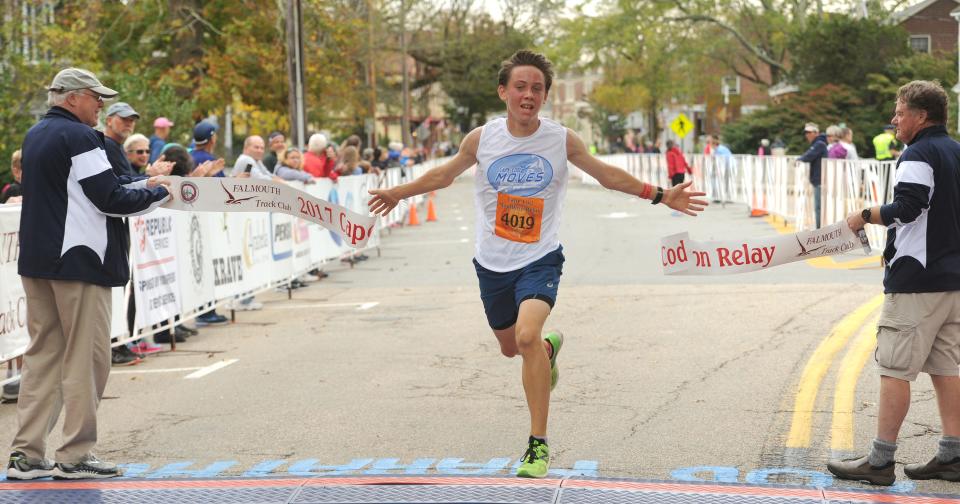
(405,118)
(295,98)
(372,79)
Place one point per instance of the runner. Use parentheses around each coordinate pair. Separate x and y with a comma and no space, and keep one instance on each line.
(521,181)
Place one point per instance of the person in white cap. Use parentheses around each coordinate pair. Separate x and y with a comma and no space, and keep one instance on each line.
(161,131)
(72,252)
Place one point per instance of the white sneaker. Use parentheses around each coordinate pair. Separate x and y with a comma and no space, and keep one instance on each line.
(239,306)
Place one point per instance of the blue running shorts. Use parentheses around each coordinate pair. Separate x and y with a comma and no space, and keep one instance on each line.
(502,293)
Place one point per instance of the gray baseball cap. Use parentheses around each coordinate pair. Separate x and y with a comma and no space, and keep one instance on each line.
(122,109)
(72,79)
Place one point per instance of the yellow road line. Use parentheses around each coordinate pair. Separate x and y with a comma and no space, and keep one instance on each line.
(841,429)
(817,367)
(827,262)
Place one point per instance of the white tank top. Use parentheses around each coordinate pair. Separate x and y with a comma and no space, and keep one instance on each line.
(519,186)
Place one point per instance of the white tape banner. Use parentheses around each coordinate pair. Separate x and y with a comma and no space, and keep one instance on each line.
(248,195)
(680,255)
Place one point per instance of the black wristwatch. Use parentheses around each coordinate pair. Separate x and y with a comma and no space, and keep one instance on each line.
(865,214)
(658,197)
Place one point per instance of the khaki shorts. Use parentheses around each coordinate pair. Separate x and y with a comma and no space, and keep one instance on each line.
(919,332)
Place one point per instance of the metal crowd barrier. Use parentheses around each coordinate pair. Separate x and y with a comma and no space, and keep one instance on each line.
(775,185)
(186,227)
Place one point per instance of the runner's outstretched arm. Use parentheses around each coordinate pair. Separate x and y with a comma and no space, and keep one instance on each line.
(384,200)
(611,177)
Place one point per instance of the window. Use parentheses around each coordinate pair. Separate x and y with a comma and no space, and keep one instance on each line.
(730,85)
(920,43)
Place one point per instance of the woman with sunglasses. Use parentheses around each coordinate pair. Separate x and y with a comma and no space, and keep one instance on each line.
(137,148)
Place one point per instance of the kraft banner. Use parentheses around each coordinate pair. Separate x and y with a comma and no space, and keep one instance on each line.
(248,195)
(680,255)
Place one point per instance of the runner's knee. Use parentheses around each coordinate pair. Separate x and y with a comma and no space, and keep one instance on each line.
(528,340)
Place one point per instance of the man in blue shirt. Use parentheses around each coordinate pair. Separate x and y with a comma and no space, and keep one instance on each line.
(161,132)
(204,140)
(814,155)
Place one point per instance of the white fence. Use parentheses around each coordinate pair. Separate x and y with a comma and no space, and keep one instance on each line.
(778,185)
(185,263)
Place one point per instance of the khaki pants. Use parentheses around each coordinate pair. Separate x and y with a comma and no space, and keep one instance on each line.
(919,332)
(66,366)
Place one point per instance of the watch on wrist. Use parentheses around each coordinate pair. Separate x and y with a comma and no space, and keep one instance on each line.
(658,197)
(865,214)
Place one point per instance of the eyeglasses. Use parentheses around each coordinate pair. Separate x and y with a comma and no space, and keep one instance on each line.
(139,152)
(95,97)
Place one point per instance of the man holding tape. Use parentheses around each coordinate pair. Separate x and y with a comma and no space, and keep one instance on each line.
(919,327)
(521,180)
(73,249)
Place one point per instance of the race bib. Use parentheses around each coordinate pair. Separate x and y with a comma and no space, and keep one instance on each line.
(518,218)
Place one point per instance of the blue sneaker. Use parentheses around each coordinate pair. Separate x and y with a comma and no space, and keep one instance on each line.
(211,318)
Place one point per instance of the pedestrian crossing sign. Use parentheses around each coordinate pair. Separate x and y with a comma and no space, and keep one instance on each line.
(681,125)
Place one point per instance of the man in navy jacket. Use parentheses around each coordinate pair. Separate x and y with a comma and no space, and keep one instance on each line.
(73,249)
(919,327)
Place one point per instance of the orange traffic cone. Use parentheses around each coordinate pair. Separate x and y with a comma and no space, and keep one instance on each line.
(414,221)
(431,211)
(757,209)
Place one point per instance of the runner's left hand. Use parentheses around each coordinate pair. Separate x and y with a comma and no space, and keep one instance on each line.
(681,200)
(383,201)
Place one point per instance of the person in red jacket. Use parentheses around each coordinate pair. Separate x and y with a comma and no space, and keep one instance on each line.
(676,164)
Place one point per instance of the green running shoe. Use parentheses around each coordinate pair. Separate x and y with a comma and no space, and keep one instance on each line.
(536,461)
(555,338)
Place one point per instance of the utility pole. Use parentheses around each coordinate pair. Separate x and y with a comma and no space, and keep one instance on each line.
(295,98)
(371,79)
(405,118)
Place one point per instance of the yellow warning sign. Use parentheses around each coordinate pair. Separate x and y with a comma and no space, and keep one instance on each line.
(681,125)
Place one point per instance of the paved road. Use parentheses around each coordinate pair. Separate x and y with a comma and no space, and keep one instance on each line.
(663,378)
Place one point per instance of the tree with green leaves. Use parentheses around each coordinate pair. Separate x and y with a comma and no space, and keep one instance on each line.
(646,64)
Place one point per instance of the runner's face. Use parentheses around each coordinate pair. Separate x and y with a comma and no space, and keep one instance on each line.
(525,92)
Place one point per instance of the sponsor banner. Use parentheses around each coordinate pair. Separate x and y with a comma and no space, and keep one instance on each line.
(325,243)
(226,255)
(118,313)
(257,263)
(680,255)
(247,195)
(301,245)
(281,246)
(195,252)
(155,271)
(355,192)
(13,302)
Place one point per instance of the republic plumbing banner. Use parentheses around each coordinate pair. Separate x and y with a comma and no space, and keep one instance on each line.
(680,255)
(155,270)
(248,195)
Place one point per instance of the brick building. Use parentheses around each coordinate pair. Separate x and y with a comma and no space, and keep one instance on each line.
(930,25)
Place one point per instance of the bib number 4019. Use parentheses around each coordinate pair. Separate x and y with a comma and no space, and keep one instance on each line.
(518,218)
